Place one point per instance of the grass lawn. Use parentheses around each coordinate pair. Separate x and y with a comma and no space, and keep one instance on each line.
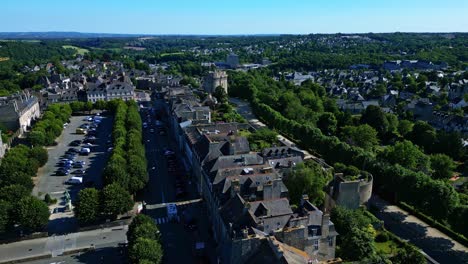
(388,247)
(77,49)
(173,53)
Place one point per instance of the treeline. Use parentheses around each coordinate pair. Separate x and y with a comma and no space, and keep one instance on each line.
(144,245)
(125,172)
(17,205)
(298,111)
(46,130)
(33,52)
(127,164)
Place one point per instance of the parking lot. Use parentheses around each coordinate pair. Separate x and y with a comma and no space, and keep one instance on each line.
(55,183)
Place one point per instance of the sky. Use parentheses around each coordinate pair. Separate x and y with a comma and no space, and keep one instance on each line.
(229,17)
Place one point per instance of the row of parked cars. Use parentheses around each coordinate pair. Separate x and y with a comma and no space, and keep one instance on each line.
(173,169)
(69,164)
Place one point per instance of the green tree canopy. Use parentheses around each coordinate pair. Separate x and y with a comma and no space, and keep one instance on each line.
(146,249)
(31,213)
(363,136)
(407,155)
(116,200)
(375,117)
(327,123)
(5,208)
(309,180)
(442,166)
(87,208)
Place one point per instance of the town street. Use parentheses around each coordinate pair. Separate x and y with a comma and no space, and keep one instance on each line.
(57,245)
(178,242)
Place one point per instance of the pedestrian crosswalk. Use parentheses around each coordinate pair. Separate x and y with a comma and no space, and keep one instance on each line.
(161,220)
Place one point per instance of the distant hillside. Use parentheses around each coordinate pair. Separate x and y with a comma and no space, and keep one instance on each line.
(61,35)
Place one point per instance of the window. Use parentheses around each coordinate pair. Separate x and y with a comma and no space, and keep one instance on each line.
(314,232)
(330,241)
(316,244)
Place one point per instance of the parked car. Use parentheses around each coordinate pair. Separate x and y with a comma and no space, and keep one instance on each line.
(62,173)
(79,172)
(75,180)
(75,143)
(85,151)
(78,166)
(73,150)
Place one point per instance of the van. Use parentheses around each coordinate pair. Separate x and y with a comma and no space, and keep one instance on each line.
(75,180)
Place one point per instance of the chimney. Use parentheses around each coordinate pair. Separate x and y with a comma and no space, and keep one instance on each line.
(304,198)
(276,190)
(268,191)
(235,187)
(245,233)
(325,225)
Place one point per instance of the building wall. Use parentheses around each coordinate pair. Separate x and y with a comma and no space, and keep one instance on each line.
(28,115)
(353,194)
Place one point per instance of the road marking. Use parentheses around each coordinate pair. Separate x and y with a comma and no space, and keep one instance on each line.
(161,220)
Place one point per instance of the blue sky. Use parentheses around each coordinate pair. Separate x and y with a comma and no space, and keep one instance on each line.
(234,16)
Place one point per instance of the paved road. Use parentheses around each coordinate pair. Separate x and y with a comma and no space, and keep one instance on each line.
(434,243)
(48,182)
(105,240)
(177,241)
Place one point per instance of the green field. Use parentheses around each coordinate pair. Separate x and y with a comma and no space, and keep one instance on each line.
(78,50)
(173,53)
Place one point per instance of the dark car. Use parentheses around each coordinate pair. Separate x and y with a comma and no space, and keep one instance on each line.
(79,172)
(62,173)
(75,143)
(73,150)
(78,165)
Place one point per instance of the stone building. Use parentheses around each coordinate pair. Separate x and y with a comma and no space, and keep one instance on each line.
(18,111)
(215,79)
(351,193)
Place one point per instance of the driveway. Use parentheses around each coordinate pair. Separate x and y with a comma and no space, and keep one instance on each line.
(48,182)
(433,242)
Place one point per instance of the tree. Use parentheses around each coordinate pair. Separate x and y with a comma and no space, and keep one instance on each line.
(407,155)
(220,94)
(442,166)
(423,135)
(327,123)
(363,136)
(139,220)
(357,245)
(449,143)
(13,193)
(408,254)
(405,127)
(116,200)
(31,213)
(5,208)
(375,117)
(37,137)
(39,154)
(308,180)
(87,208)
(146,249)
